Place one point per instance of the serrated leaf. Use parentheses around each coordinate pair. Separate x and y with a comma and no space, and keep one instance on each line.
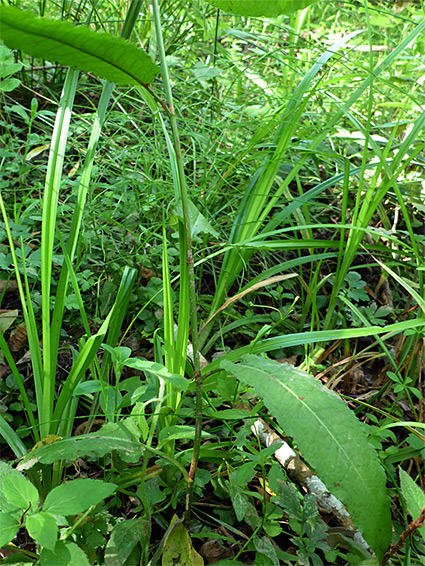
(289,496)
(122,541)
(77,496)
(265,546)
(9,526)
(111,58)
(267,8)
(20,492)
(64,554)
(112,436)
(330,438)
(239,501)
(43,529)
(414,497)
(7,471)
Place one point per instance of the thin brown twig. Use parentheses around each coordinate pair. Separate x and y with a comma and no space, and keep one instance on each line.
(410,529)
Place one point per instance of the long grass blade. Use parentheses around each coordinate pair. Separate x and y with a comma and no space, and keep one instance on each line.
(50,205)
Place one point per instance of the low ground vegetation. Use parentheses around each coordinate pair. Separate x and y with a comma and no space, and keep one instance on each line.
(212,283)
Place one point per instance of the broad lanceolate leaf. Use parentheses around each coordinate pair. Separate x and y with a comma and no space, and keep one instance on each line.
(112,436)
(330,438)
(267,8)
(111,58)
(77,496)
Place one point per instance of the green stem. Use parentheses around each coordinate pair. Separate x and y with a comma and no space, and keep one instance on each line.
(187,242)
(148,445)
(169,459)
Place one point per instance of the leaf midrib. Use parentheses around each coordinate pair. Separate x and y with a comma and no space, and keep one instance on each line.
(323,425)
(63,42)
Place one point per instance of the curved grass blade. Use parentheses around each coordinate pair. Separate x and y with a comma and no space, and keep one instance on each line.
(330,438)
(258,198)
(111,58)
(12,438)
(257,201)
(313,337)
(83,361)
(249,289)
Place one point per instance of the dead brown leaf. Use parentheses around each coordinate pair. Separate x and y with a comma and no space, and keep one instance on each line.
(18,338)
(10,285)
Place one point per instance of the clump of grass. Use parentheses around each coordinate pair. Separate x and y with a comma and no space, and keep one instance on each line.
(300,241)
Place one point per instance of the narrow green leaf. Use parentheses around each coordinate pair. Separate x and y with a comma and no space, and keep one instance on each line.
(414,497)
(119,311)
(267,8)
(77,496)
(178,381)
(291,340)
(6,431)
(111,58)
(330,438)
(45,366)
(177,432)
(43,529)
(227,414)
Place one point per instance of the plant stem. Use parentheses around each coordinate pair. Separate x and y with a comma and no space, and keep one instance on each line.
(143,496)
(186,240)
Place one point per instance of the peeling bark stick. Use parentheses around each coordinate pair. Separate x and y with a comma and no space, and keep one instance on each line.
(303,476)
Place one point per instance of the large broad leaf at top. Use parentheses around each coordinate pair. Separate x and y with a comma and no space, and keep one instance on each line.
(330,438)
(267,8)
(111,58)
